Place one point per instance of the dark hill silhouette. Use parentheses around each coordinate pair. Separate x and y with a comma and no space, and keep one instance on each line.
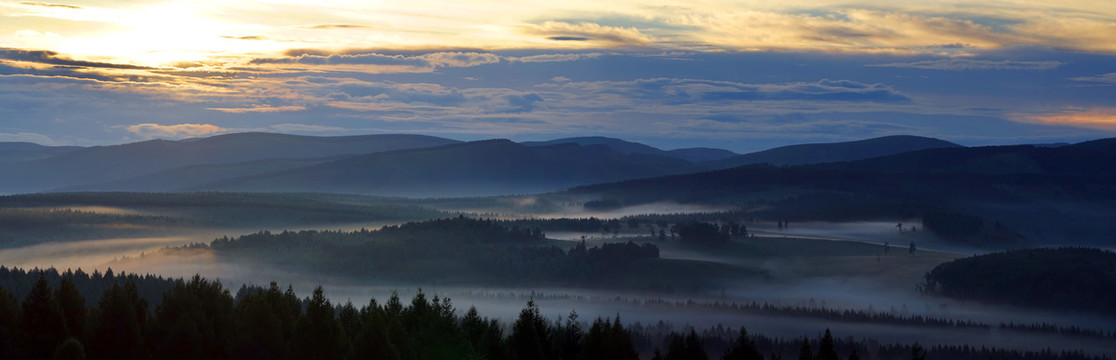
(100,164)
(629,147)
(1063,195)
(1092,158)
(617,145)
(475,168)
(833,152)
(701,154)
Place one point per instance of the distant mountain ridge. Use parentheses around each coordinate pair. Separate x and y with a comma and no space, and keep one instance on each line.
(834,152)
(23,151)
(99,164)
(279,162)
(489,167)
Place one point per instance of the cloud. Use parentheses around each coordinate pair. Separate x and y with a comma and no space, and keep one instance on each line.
(673,91)
(260,109)
(52,58)
(554,57)
(336,26)
(250,37)
(389,63)
(587,32)
(1103,118)
(29,137)
(288,128)
(1109,78)
(973,64)
(152,131)
(459,59)
(50,5)
(522,103)
(432,94)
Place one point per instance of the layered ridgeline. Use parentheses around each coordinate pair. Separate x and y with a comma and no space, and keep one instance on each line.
(60,217)
(100,164)
(408,165)
(1050,195)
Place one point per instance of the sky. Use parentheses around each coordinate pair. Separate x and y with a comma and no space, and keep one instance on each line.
(739,75)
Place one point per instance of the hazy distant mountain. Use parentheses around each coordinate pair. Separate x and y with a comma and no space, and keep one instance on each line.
(628,147)
(475,168)
(101,164)
(197,175)
(1064,195)
(833,152)
(22,151)
(701,154)
(617,145)
(1092,158)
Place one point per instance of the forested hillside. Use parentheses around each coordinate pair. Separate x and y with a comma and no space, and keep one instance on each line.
(200,318)
(1080,279)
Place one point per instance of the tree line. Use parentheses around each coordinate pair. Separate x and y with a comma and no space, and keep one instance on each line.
(1072,278)
(453,250)
(199,318)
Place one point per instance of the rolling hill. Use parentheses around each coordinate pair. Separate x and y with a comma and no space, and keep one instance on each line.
(488,167)
(23,151)
(1063,195)
(100,164)
(833,152)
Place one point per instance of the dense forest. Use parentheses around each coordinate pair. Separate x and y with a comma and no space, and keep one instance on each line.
(199,318)
(454,250)
(972,230)
(1053,278)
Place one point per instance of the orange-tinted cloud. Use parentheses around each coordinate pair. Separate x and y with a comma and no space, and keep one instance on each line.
(151,131)
(1096,118)
(260,109)
(589,33)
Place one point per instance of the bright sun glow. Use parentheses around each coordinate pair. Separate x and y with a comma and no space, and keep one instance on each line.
(166,33)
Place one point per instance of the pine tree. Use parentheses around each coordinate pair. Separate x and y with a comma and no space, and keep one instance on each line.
(41,324)
(119,324)
(317,333)
(826,350)
(743,349)
(9,319)
(72,305)
(805,352)
(530,334)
